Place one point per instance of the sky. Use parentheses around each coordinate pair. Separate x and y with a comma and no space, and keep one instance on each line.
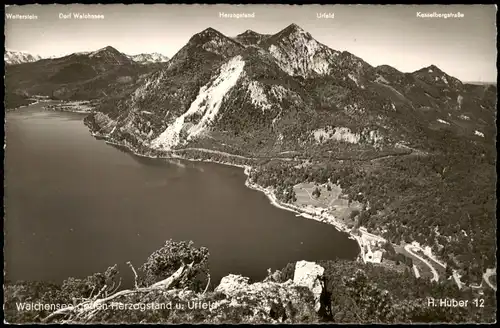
(393,34)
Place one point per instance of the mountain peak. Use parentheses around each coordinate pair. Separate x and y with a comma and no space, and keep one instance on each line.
(248,33)
(210,31)
(250,37)
(107,49)
(434,67)
(429,69)
(433,74)
(294,26)
(207,35)
(213,41)
(298,53)
(292,29)
(103,49)
(109,54)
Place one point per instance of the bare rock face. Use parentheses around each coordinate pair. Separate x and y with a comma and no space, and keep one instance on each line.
(273,300)
(229,285)
(267,302)
(309,274)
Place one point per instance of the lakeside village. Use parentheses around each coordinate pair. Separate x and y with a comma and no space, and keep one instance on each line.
(75,106)
(326,203)
(82,106)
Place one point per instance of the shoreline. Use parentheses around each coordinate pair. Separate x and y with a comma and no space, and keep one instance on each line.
(363,239)
(312,213)
(72,107)
(24,106)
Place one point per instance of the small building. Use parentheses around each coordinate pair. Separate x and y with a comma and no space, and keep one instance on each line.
(373,257)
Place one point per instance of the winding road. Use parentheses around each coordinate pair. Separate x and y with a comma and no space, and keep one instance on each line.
(214,152)
(409,249)
(295,158)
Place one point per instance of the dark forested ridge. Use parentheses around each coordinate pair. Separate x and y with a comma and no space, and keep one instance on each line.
(80,76)
(14,100)
(445,201)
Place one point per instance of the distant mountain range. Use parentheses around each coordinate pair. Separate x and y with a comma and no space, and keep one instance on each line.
(149,58)
(19,57)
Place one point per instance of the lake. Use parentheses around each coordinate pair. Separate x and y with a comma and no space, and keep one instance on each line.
(75,205)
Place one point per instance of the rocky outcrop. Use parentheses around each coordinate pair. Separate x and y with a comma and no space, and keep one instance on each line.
(310,274)
(234,300)
(273,300)
(231,284)
(268,301)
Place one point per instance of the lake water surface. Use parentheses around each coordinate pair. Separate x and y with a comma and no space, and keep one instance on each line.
(75,205)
